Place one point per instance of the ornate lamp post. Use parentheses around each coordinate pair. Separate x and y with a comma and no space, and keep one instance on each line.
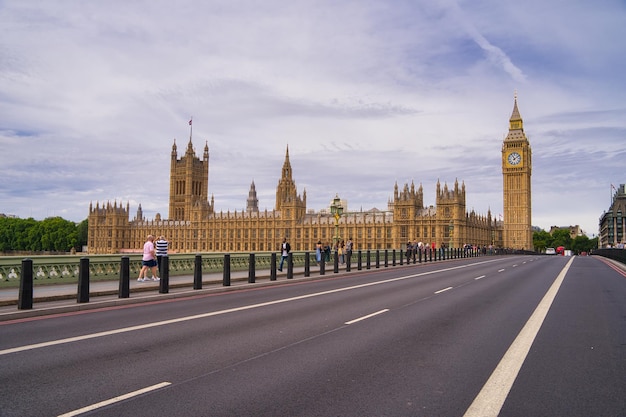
(336,210)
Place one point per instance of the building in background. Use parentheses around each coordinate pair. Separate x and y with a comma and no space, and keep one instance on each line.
(612,222)
(194,226)
(516,175)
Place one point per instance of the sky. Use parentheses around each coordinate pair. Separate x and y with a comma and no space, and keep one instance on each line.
(365,94)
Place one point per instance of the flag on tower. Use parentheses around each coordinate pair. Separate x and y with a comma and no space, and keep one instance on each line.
(613,187)
(190,122)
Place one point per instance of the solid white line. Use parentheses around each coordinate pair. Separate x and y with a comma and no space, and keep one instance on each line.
(480,277)
(491,397)
(115,400)
(220,312)
(443,290)
(367,317)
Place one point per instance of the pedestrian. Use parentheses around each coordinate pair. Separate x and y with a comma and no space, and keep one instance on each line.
(349,245)
(318,252)
(161,246)
(341,249)
(284,248)
(409,250)
(148,261)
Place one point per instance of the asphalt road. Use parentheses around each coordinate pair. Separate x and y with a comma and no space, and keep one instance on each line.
(510,336)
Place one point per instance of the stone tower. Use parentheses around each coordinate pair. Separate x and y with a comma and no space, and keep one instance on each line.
(189,184)
(252,204)
(516,173)
(451,213)
(288,202)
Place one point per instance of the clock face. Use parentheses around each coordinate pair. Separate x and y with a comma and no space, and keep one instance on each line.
(514,158)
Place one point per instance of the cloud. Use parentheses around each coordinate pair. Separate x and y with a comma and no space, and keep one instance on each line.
(364,93)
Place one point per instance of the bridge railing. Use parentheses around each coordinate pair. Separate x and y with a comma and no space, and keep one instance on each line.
(52,269)
(613,253)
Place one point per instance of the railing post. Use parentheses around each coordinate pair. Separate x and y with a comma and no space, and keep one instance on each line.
(368,260)
(336,263)
(386,258)
(164,282)
(393,257)
(251,270)
(83,281)
(359,264)
(25,299)
(349,261)
(323,265)
(226,278)
(273,267)
(290,265)
(430,254)
(197,273)
(420,256)
(124,288)
(414,254)
(401,256)
(307,264)
(377,258)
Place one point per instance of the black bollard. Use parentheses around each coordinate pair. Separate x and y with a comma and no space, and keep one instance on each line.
(359,264)
(420,255)
(124,289)
(164,282)
(401,257)
(430,254)
(348,261)
(336,263)
(197,273)
(393,257)
(83,281)
(226,279)
(290,265)
(307,264)
(386,258)
(377,259)
(25,299)
(273,267)
(251,270)
(323,266)
(368,260)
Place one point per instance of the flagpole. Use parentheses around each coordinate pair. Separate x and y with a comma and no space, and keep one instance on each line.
(190,128)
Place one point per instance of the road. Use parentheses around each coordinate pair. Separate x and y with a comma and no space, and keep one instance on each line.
(510,336)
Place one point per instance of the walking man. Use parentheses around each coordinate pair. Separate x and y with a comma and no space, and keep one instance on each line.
(284,248)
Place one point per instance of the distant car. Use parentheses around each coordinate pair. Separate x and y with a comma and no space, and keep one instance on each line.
(550,251)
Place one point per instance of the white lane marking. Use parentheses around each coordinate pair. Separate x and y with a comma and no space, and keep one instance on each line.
(500,270)
(443,290)
(480,277)
(115,400)
(220,312)
(514,265)
(491,397)
(367,317)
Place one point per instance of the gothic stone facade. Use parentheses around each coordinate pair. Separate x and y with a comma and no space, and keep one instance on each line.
(194,226)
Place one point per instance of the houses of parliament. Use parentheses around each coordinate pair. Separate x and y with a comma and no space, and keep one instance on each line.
(194,226)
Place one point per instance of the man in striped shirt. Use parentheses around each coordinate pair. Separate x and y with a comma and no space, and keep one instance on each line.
(161,250)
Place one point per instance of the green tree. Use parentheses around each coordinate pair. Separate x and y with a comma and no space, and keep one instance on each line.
(542,240)
(561,237)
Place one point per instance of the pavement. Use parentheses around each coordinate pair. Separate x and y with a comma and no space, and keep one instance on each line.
(63,298)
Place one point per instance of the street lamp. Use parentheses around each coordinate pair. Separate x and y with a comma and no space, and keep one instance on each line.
(336,210)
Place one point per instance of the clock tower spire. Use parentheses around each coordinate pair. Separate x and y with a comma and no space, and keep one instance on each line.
(516,173)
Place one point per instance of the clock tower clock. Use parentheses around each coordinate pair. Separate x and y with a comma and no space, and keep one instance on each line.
(516,173)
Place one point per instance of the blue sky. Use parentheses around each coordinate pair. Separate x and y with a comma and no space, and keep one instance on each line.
(364,93)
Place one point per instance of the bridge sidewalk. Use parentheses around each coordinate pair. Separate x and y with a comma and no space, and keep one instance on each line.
(61,298)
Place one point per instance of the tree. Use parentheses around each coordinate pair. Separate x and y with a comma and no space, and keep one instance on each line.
(542,240)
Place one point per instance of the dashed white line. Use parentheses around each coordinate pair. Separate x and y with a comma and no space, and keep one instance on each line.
(500,270)
(115,400)
(442,290)
(368,316)
(480,277)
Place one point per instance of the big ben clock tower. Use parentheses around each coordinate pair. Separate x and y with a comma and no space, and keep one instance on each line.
(516,172)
